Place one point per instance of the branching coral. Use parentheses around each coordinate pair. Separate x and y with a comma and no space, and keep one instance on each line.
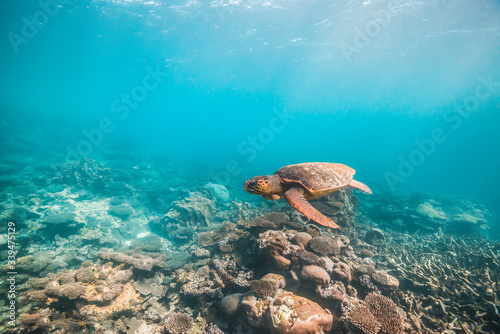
(361,318)
(386,312)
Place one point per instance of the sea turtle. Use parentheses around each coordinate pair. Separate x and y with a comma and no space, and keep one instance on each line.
(301,182)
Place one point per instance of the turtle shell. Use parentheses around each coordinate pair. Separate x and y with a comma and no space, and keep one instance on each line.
(318,178)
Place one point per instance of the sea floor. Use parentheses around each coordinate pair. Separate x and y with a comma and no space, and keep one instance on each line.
(136,247)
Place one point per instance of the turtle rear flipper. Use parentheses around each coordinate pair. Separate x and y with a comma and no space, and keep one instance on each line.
(360,186)
(296,199)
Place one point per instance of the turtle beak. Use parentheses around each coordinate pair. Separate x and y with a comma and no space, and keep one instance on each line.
(247,187)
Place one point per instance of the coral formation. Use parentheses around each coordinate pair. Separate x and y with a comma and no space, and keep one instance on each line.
(230,304)
(386,312)
(315,275)
(178,323)
(361,318)
(137,261)
(186,216)
(343,272)
(94,258)
(293,314)
(324,245)
(385,280)
(273,246)
(302,239)
(340,206)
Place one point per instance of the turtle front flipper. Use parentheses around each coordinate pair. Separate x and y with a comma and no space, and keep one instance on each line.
(296,199)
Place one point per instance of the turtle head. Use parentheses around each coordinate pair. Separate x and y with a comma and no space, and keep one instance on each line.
(262,185)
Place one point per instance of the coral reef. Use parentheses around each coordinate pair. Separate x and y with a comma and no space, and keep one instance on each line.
(140,249)
(185,216)
(420,212)
(85,174)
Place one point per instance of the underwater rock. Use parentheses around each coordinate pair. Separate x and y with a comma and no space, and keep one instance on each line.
(363,252)
(365,269)
(367,283)
(121,210)
(293,225)
(385,280)
(219,192)
(213,329)
(177,260)
(326,263)
(420,212)
(374,236)
(269,221)
(67,290)
(324,245)
(134,325)
(185,216)
(226,234)
(302,239)
(342,272)
(291,314)
(276,279)
(85,275)
(230,304)
(61,218)
(148,243)
(314,275)
(178,323)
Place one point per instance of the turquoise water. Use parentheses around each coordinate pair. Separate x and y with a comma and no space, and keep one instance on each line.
(363,81)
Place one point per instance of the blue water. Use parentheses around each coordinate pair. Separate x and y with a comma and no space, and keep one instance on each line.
(363,82)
